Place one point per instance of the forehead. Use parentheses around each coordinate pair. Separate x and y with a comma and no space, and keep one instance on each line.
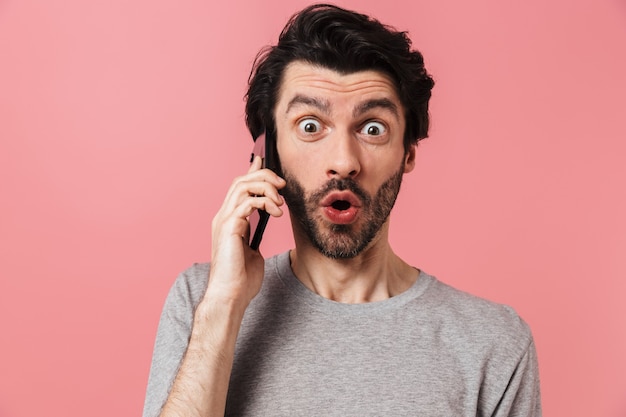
(301,78)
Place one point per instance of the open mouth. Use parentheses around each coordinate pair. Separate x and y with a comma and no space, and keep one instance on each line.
(341,200)
(341,205)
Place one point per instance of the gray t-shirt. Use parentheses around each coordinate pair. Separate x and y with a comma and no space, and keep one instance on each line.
(430,351)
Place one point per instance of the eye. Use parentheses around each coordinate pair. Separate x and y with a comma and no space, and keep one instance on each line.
(374,129)
(309,126)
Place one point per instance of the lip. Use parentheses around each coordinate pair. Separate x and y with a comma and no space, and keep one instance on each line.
(337,216)
(343,196)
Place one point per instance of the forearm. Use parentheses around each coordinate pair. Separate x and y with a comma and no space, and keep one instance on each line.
(236,274)
(201,384)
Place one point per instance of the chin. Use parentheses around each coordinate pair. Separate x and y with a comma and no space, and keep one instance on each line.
(339,243)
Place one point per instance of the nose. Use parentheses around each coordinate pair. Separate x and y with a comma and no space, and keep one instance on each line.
(342,157)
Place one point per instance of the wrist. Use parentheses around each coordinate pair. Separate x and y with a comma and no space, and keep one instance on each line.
(219,308)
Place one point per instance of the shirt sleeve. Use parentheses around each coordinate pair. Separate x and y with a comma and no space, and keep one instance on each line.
(173,335)
(522,396)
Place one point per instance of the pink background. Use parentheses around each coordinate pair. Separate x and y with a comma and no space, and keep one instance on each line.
(121,127)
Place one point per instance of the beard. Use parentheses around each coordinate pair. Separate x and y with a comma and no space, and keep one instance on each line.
(341,241)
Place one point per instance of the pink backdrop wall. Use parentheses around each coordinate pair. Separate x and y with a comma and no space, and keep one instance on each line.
(121,126)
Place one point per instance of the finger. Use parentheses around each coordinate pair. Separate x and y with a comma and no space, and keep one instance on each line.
(259,176)
(264,174)
(263,189)
(235,217)
(241,190)
(251,204)
(257,163)
(246,235)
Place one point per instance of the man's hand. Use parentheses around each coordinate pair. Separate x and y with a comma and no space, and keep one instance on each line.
(236,269)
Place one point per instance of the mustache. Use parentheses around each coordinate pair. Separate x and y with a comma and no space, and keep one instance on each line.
(340,184)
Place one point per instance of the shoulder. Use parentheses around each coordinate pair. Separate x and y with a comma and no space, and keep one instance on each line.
(492,346)
(189,286)
(477,319)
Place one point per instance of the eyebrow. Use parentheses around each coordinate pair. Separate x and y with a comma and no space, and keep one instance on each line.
(384,103)
(324,105)
(320,104)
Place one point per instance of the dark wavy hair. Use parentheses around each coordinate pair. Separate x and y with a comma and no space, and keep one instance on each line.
(347,42)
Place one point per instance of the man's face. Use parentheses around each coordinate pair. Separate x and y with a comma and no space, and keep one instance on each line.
(340,142)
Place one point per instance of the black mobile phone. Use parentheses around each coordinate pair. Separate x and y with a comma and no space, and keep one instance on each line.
(264,146)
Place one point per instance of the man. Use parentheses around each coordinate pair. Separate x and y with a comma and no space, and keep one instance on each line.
(339,325)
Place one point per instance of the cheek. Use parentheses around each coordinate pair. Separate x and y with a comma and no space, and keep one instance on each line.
(302,169)
(306,180)
(379,170)
(301,161)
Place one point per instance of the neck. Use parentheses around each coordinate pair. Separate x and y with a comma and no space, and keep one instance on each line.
(375,274)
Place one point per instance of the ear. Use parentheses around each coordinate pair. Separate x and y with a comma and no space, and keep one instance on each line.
(409,159)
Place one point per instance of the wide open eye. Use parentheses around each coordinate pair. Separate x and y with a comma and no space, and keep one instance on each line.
(374,129)
(309,126)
